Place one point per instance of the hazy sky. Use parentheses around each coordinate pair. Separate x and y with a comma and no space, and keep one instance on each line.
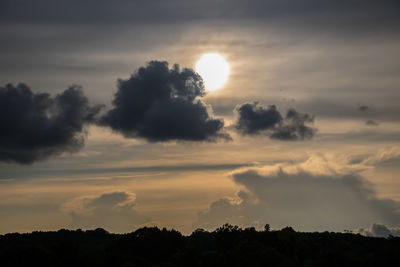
(97,130)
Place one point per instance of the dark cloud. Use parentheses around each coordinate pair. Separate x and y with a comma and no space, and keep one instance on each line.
(36,126)
(253,119)
(333,108)
(161,104)
(306,201)
(294,128)
(329,16)
(113,211)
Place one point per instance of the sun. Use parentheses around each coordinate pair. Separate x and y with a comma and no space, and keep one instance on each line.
(214,70)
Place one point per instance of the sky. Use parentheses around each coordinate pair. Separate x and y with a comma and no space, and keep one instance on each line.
(106,123)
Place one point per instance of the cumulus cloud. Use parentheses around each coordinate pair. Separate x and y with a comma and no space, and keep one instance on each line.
(113,211)
(161,104)
(379,230)
(36,126)
(254,119)
(298,197)
(294,128)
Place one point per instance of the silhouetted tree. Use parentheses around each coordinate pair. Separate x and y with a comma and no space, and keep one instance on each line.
(228,245)
(228,228)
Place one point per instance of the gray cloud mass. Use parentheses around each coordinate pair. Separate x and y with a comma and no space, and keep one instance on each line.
(162,104)
(379,230)
(305,201)
(36,126)
(253,119)
(113,211)
(328,16)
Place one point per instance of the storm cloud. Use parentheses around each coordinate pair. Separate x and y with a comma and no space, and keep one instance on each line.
(254,119)
(161,104)
(36,125)
(302,199)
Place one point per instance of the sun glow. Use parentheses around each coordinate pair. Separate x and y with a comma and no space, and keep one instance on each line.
(214,70)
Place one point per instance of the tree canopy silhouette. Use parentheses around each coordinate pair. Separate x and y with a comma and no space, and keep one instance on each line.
(228,245)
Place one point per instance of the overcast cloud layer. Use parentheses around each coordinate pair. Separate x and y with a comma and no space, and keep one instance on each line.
(360,15)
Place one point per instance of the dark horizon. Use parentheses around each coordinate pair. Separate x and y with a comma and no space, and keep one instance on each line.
(228,245)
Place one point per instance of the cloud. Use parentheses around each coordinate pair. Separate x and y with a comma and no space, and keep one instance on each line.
(371,123)
(298,197)
(113,211)
(388,157)
(379,230)
(36,126)
(254,119)
(358,16)
(162,104)
(294,127)
(364,108)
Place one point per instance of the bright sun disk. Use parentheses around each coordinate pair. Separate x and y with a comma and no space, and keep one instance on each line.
(214,70)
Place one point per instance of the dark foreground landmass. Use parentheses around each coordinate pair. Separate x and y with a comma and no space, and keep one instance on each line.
(226,246)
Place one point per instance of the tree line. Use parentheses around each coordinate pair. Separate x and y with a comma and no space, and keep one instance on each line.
(228,245)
